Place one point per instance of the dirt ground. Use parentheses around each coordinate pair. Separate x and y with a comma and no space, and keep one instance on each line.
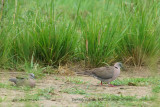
(60,83)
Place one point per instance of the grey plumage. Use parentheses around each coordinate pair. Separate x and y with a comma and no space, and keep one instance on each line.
(105,74)
(22,81)
(13,80)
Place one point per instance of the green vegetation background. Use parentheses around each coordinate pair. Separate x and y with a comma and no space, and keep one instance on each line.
(53,32)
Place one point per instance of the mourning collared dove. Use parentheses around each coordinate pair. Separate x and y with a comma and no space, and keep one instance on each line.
(105,74)
(22,81)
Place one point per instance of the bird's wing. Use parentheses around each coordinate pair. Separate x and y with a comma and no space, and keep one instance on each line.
(20,78)
(103,72)
(13,80)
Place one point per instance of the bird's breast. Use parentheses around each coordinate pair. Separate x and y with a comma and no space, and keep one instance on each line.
(116,73)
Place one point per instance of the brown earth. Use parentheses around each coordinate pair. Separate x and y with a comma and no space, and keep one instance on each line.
(61,83)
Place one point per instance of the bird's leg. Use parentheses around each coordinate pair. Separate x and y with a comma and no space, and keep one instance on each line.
(101,83)
(110,85)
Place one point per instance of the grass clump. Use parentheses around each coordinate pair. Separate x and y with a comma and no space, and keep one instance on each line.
(74,91)
(102,100)
(118,98)
(48,38)
(100,37)
(47,93)
(140,44)
(34,68)
(156,89)
(115,104)
(75,80)
(40,94)
(135,81)
(2,99)
(6,86)
(54,43)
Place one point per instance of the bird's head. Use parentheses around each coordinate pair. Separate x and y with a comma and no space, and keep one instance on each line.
(118,65)
(31,75)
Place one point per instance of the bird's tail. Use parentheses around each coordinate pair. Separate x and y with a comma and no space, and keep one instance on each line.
(88,72)
(13,80)
(84,73)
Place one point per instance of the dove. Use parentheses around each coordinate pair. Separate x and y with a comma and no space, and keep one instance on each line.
(105,74)
(22,81)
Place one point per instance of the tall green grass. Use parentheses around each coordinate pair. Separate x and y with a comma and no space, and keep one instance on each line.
(140,44)
(98,31)
(48,38)
(100,38)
